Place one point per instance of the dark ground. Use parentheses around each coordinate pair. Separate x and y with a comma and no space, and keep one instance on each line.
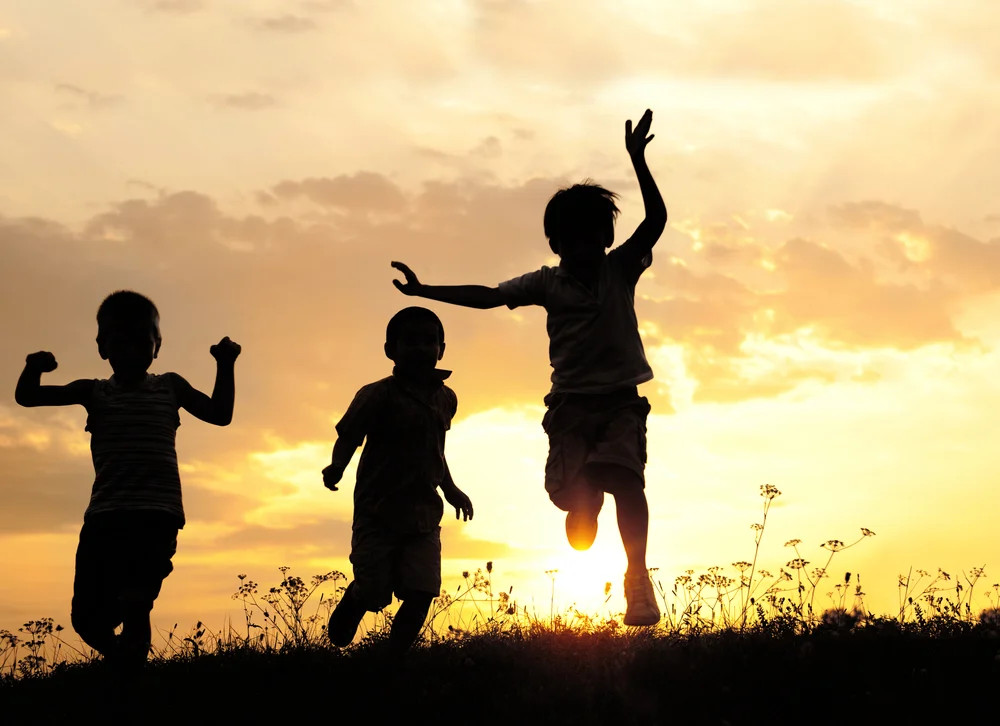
(872,675)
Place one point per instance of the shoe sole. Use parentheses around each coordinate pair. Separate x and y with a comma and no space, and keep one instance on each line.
(580,535)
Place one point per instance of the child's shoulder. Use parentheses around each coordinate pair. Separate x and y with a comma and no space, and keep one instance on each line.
(374,391)
(381,384)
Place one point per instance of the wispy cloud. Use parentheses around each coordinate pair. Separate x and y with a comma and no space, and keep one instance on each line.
(286,24)
(248,101)
(93,99)
(178,7)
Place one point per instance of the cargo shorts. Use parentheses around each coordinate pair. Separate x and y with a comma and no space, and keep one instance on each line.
(585,429)
(387,562)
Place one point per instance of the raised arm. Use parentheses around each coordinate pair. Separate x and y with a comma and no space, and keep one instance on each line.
(650,229)
(470,296)
(30,391)
(218,409)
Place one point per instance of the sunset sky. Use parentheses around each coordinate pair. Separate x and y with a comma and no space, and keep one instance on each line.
(822,314)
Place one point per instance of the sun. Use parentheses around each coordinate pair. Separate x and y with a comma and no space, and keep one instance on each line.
(590,581)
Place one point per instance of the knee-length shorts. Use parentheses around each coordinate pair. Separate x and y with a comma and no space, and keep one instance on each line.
(387,562)
(586,429)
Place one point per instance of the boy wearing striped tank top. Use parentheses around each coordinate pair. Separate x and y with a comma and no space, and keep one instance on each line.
(129,532)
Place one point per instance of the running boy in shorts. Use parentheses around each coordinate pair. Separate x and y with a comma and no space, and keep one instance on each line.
(596,420)
(129,532)
(396,539)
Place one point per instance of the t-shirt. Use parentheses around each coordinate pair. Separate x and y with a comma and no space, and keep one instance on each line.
(403,424)
(594,343)
(132,435)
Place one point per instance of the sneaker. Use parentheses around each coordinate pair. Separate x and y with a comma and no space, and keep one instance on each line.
(581,529)
(581,521)
(345,619)
(640,601)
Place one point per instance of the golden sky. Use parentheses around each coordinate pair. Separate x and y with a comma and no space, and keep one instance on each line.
(822,313)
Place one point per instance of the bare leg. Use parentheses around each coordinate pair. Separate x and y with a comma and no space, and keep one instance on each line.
(408,622)
(633,524)
(632,510)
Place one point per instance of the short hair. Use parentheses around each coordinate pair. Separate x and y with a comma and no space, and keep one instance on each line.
(577,210)
(126,308)
(407,317)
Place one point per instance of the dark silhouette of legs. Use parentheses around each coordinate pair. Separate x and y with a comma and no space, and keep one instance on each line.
(346,618)
(121,562)
(408,622)
(633,524)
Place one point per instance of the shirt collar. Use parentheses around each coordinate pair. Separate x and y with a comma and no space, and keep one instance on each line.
(437,376)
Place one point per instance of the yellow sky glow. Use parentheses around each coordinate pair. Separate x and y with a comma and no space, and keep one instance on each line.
(821,313)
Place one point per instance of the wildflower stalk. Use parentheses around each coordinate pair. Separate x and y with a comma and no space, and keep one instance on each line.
(769,492)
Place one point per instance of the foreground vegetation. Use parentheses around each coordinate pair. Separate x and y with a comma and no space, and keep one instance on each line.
(736,645)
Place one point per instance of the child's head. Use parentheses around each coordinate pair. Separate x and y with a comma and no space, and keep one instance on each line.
(581,218)
(414,339)
(128,332)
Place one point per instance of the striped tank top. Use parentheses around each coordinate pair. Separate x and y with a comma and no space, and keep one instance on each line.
(132,434)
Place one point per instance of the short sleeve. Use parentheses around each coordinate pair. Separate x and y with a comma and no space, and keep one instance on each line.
(360,416)
(452,405)
(178,385)
(631,260)
(528,289)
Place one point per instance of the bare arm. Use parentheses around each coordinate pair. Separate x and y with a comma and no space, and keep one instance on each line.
(470,296)
(30,391)
(218,409)
(343,451)
(650,229)
(455,496)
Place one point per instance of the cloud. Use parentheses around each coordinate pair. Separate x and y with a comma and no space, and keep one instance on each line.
(93,99)
(957,260)
(286,24)
(303,537)
(363,190)
(305,286)
(176,7)
(772,41)
(249,101)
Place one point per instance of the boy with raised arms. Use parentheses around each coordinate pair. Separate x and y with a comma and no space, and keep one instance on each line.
(595,418)
(129,532)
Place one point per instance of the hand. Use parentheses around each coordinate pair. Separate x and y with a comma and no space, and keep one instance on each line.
(412,284)
(460,501)
(42,361)
(636,140)
(331,475)
(225,351)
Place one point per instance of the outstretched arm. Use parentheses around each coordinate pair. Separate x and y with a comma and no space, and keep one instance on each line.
(30,391)
(455,496)
(218,409)
(470,296)
(650,229)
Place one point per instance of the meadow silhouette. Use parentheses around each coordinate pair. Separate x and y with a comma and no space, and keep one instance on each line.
(800,628)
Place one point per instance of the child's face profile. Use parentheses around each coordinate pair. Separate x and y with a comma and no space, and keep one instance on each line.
(418,347)
(129,347)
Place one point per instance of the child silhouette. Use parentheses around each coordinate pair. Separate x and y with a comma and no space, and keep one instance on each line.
(129,532)
(396,541)
(596,421)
